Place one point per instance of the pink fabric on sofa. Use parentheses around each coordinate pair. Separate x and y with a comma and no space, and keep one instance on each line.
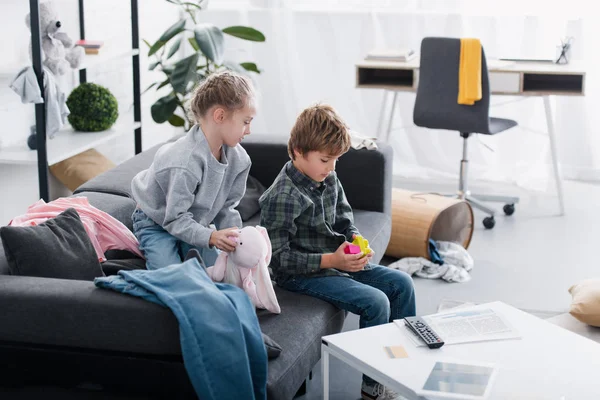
(105,231)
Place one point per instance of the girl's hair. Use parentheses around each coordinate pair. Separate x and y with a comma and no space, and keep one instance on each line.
(226,88)
(319,128)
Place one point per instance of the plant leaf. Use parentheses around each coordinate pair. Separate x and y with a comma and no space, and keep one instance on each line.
(174,48)
(163,108)
(174,2)
(153,65)
(187,3)
(184,73)
(147,43)
(173,30)
(211,41)
(245,32)
(249,66)
(194,44)
(163,84)
(150,87)
(176,120)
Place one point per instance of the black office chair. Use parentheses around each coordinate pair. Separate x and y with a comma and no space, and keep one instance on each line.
(436,107)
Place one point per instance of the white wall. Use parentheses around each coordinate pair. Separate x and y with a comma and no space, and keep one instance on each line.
(107,20)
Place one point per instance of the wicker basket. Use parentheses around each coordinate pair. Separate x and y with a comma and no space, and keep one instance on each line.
(418,217)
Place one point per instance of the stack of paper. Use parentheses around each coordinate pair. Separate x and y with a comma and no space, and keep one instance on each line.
(466,325)
(391,55)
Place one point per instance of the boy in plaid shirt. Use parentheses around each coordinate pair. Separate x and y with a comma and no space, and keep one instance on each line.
(310,223)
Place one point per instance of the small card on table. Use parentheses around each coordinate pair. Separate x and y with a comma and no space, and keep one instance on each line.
(396,351)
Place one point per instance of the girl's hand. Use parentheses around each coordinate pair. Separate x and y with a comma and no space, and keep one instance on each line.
(225,239)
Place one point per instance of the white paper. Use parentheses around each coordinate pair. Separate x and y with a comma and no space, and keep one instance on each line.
(466,325)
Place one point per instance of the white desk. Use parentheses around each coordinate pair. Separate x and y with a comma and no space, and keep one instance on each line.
(547,362)
(512,78)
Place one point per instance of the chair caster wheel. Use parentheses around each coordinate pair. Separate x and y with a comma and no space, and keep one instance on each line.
(489,222)
(509,209)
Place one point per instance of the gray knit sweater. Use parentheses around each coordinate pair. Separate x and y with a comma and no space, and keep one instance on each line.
(186,188)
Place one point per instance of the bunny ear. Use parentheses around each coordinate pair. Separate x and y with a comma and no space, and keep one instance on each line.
(264,289)
(265,234)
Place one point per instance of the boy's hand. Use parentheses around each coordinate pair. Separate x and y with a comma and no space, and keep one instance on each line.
(225,239)
(348,262)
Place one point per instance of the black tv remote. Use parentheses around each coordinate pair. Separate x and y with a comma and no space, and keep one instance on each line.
(424,331)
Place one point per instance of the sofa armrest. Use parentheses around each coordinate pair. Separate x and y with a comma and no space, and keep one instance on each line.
(365,174)
(61,312)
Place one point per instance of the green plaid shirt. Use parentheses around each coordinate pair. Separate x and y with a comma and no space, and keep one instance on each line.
(305,219)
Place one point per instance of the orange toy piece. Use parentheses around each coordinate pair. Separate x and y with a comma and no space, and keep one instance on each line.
(362,243)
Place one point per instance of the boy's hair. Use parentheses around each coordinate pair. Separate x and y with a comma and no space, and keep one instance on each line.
(319,128)
(226,88)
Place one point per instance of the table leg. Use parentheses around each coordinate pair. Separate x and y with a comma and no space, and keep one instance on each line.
(391,120)
(378,132)
(325,371)
(553,149)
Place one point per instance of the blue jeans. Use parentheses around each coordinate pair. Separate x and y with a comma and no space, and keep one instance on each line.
(160,247)
(221,342)
(378,295)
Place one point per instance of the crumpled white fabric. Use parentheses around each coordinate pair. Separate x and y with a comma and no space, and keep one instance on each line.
(358,141)
(25,85)
(457,264)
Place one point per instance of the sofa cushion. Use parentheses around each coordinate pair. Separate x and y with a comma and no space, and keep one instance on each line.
(249,206)
(4,268)
(585,303)
(298,330)
(75,171)
(117,206)
(273,348)
(118,180)
(57,248)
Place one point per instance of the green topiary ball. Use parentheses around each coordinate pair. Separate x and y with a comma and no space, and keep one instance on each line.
(93,108)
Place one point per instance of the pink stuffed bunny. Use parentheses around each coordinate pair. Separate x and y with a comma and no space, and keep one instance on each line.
(248,267)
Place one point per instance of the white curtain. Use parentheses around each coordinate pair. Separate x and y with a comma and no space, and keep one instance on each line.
(312,48)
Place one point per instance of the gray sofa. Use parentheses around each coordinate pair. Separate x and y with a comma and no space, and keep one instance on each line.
(68,332)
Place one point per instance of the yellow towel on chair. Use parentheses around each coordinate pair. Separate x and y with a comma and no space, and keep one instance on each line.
(469,72)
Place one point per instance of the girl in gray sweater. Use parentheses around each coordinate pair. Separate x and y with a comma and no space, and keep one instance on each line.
(198,180)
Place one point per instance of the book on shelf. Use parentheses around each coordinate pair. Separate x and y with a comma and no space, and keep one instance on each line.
(391,55)
(89,44)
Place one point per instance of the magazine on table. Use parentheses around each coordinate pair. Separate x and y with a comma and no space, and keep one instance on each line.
(466,325)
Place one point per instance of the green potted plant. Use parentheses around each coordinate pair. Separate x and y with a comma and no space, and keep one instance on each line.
(207,43)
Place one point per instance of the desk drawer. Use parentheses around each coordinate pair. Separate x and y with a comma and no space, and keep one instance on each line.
(505,82)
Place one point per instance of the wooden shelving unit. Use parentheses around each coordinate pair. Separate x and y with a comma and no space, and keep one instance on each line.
(68,143)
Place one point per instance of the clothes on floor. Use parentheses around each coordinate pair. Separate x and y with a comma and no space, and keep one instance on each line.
(357,141)
(25,84)
(105,231)
(434,253)
(457,262)
(221,340)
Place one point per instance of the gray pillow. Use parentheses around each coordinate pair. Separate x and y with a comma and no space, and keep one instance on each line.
(57,248)
(273,349)
(249,206)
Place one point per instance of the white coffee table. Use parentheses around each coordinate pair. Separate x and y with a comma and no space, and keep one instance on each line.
(548,362)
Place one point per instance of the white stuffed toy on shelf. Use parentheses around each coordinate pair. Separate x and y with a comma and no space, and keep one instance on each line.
(248,267)
(58,52)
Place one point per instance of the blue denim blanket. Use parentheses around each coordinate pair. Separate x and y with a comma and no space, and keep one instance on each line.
(221,342)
